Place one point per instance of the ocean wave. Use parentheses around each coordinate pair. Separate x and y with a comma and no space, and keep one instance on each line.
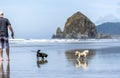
(62,40)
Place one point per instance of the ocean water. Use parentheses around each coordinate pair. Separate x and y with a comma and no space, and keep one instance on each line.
(102,61)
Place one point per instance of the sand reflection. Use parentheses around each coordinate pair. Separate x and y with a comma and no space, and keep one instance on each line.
(4,74)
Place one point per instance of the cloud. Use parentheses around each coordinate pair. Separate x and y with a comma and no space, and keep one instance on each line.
(109,12)
(107,18)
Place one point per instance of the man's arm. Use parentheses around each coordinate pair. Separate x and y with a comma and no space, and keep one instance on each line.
(12,32)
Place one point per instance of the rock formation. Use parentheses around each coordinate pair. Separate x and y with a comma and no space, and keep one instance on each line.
(77,26)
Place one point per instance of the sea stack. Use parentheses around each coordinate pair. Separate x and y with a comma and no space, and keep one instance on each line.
(78,26)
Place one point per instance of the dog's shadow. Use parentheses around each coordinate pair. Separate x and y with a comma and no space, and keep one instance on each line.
(41,62)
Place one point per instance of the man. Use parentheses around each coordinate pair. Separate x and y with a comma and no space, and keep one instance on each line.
(4,42)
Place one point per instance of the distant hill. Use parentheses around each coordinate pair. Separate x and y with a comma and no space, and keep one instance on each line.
(109,28)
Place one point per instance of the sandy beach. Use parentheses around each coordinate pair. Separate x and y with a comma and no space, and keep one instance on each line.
(103,62)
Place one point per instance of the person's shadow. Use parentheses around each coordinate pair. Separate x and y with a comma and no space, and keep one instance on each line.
(4,74)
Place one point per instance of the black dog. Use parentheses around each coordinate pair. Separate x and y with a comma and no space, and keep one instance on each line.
(42,55)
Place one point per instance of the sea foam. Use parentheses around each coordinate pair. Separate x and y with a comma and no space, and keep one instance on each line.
(62,40)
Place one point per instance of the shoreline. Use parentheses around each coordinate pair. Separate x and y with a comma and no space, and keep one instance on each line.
(63,40)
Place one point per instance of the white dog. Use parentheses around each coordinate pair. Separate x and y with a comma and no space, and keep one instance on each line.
(84,53)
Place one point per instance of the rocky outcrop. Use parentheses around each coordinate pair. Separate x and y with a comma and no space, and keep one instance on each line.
(59,33)
(77,26)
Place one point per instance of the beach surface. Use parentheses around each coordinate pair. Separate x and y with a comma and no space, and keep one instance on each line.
(103,61)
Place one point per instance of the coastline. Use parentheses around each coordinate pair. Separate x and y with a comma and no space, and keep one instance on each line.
(63,40)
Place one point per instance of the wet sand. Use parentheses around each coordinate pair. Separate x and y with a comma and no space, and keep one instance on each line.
(104,63)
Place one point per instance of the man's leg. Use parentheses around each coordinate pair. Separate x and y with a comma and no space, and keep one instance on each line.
(8,53)
(7,49)
(1,54)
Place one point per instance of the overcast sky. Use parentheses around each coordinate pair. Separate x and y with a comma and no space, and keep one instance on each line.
(40,18)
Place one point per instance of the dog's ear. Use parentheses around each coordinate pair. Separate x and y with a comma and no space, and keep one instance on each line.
(86,51)
(38,51)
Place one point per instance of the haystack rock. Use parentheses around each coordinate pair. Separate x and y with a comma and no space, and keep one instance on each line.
(77,26)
